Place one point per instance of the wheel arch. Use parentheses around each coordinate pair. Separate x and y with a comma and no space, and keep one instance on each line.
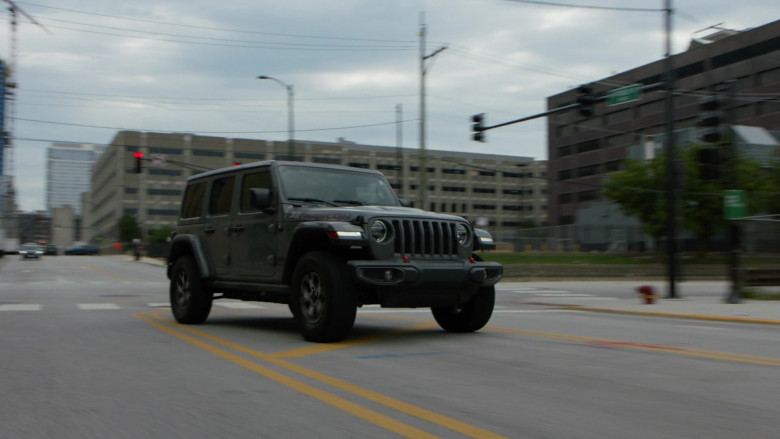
(183,245)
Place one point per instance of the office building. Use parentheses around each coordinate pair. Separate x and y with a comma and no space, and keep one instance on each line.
(740,67)
(497,192)
(68,173)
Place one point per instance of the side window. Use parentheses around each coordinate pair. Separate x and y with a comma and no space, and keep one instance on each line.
(221,196)
(192,205)
(258,180)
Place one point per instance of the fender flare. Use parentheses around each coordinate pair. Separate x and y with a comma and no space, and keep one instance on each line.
(189,244)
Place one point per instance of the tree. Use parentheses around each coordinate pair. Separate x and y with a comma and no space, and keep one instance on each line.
(640,191)
(127,228)
(160,236)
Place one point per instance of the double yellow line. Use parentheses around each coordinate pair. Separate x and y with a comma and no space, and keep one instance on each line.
(217,347)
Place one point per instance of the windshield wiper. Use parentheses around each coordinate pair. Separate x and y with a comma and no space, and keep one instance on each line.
(353,202)
(312,200)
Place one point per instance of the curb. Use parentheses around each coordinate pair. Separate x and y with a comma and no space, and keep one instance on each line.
(667,314)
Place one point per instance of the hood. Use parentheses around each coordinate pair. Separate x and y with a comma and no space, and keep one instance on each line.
(349,213)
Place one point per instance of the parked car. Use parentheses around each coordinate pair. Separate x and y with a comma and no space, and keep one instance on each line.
(50,250)
(30,251)
(82,249)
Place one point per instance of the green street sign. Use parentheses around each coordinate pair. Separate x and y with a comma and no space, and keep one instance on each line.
(734,204)
(624,94)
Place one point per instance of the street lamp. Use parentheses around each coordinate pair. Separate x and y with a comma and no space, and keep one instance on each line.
(290,117)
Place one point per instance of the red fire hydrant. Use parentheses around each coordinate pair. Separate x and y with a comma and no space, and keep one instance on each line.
(647,294)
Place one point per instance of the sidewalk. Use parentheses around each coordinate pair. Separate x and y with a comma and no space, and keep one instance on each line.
(710,308)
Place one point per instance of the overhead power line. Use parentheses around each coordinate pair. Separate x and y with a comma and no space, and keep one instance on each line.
(607,8)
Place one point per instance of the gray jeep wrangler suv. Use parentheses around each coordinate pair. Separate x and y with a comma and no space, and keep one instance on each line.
(324,240)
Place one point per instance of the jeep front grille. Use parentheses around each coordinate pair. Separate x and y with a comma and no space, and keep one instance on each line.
(425,238)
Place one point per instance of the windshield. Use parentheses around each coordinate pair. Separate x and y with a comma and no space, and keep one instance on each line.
(336,186)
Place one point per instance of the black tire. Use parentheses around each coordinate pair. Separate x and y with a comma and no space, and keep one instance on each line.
(190,299)
(469,317)
(321,300)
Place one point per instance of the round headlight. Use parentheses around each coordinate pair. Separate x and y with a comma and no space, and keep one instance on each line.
(462,234)
(378,231)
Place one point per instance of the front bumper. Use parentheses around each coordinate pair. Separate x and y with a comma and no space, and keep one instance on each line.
(465,274)
(423,283)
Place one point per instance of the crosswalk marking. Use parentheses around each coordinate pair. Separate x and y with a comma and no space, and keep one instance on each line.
(239,305)
(20,307)
(94,306)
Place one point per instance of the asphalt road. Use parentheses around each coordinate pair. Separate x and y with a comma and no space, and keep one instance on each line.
(89,350)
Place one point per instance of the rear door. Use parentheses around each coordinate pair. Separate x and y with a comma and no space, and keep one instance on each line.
(217,226)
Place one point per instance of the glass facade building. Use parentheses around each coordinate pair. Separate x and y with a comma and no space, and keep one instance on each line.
(68,174)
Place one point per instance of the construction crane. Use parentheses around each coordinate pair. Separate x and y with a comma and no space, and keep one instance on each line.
(10,87)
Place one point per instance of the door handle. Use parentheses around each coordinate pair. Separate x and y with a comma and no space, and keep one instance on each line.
(209,230)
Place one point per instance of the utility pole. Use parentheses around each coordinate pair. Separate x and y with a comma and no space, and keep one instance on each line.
(399,139)
(672,166)
(423,72)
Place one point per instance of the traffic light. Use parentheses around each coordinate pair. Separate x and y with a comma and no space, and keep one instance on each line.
(708,159)
(586,100)
(138,156)
(478,127)
(710,119)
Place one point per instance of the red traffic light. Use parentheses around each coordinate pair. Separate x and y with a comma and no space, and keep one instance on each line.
(138,155)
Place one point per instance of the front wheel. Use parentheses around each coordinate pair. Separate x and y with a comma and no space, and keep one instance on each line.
(469,317)
(321,300)
(190,299)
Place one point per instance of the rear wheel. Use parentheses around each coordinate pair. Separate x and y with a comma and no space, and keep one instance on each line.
(321,300)
(469,317)
(190,299)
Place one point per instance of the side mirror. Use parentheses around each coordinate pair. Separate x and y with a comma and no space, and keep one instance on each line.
(260,198)
(404,202)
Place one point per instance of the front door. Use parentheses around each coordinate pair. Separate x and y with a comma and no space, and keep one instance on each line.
(254,245)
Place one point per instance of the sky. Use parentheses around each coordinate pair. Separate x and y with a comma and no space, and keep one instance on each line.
(86,69)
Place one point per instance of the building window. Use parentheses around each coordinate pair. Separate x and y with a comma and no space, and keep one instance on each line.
(208,153)
(164,150)
(453,171)
(249,155)
(358,165)
(162,212)
(564,198)
(176,192)
(487,173)
(587,171)
(328,160)
(389,167)
(484,190)
(484,206)
(453,189)
(590,145)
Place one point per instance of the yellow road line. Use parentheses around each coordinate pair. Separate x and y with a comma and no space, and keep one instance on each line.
(740,358)
(320,348)
(328,398)
(409,409)
(106,273)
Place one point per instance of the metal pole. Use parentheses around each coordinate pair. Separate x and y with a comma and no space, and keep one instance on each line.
(671,158)
(290,114)
(423,164)
(290,123)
